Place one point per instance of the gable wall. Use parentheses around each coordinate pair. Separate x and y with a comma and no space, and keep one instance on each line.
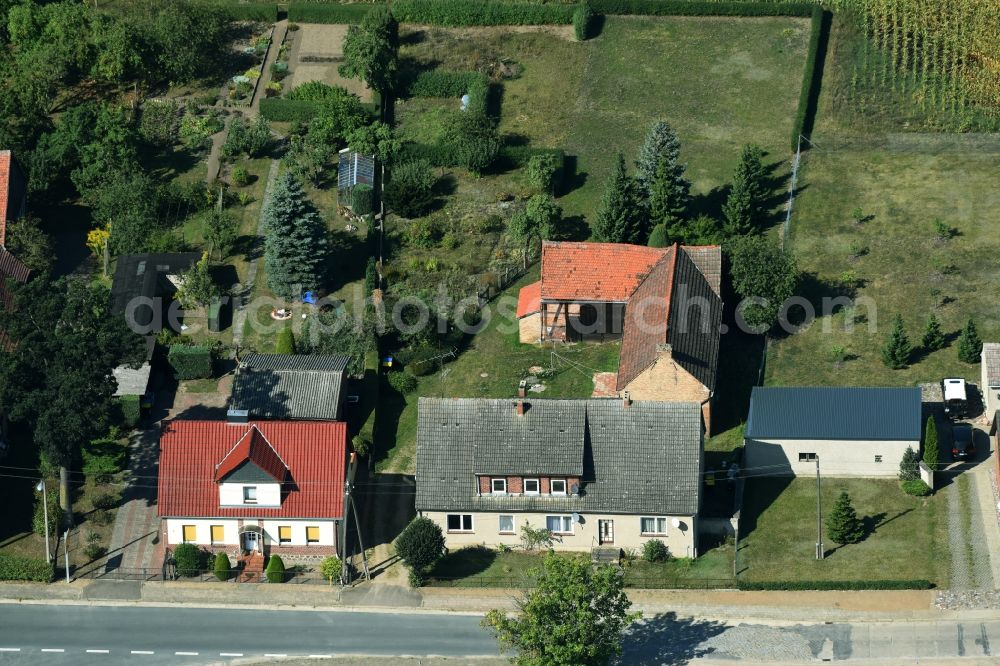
(667,381)
(268,494)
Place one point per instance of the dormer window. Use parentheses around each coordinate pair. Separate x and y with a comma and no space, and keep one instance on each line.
(499,486)
(557,486)
(249,494)
(531,486)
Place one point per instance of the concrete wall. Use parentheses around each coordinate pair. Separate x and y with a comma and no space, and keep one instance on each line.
(990,401)
(268,494)
(836,458)
(681,541)
(530,329)
(174,531)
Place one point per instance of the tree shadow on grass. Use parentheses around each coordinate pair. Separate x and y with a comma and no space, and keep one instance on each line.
(464,562)
(759,494)
(710,203)
(348,253)
(668,640)
(251,247)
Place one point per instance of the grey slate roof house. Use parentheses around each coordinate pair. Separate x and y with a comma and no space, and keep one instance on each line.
(279,386)
(850,431)
(148,276)
(594,472)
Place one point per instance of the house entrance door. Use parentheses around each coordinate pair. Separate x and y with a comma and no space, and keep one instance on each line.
(251,541)
(605,531)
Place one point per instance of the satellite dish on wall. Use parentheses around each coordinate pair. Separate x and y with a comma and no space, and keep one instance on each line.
(575,489)
(676,523)
(576,518)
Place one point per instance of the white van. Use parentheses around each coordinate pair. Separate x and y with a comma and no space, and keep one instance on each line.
(956,401)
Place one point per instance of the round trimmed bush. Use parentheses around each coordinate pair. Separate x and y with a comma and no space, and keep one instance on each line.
(655,550)
(404,382)
(222,567)
(362,199)
(420,545)
(275,571)
(190,559)
(916,487)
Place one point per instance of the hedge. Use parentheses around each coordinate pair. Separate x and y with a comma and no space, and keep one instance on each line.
(190,362)
(334,13)
(256,11)
(440,155)
(700,8)
(476,12)
(479,94)
(439,83)
(129,410)
(914,584)
(813,76)
(15,567)
(276,109)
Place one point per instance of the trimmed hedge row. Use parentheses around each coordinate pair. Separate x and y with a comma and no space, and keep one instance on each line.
(700,8)
(441,156)
(190,362)
(476,12)
(129,409)
(813,77)
(15,567)
(279,109)
(334,13)
(256,11)
(438,83)
(915,584)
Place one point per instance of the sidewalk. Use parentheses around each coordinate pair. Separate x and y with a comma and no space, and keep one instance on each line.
(790,607)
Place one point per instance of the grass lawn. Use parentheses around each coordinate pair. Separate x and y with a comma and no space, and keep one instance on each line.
(478,566)
(490,366)
(905,267)
(907,537)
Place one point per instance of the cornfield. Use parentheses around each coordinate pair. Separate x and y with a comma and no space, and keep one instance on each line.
(945,53)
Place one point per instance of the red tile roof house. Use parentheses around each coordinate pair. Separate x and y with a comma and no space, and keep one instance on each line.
(665,304)
(13,204)
(258,487)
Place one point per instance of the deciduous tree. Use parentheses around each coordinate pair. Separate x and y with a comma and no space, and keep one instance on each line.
(420,545)
(370,50)
(765,275)
(573,616)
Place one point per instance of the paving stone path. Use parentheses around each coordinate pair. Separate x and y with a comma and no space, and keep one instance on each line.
(136,525)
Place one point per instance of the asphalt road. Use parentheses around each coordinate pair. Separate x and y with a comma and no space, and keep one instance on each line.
(49,634)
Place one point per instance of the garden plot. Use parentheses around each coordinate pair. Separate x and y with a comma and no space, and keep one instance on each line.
(317,51)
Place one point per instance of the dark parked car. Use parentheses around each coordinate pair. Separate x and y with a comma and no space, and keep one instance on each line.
(963,442)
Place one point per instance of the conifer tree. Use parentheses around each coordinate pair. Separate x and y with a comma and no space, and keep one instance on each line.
(908,468)
(622,218)
(969,345)
(661,141)
(933,337)
(669,193)
(744,209)
(897,349)
(296,247)
(932,451)
(843,524)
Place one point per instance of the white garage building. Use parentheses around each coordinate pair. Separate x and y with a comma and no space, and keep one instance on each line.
(851,431)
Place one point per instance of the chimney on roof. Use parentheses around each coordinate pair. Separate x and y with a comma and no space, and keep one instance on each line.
(522,389)
(665,349)
(521,407)
(626,400)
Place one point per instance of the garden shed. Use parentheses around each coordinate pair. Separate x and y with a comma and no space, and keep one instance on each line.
(353,169)
(851,431)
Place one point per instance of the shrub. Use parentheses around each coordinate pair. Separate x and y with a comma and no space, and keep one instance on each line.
(241,177)
(103,458)
(105,501)
(285,344)
(812,78)
(583,17)
(914,584)
(129,410)
(190,362)
(15,567)
(55,513)
(158,123)
(314,91)
(362,199)
(93,550)
(277,109)
(222,567)
(302,12)
(275,571)
(189,559)
(535,537)
(473,140)
(331,568)
(479,94)
(420,545)
(909,469)
(542,171)
(362,445)
(915,487)
(655,550)
(658,236)
(196,130)
(404,382)
(439,83)
(475,12)
(409,192)
(254,11)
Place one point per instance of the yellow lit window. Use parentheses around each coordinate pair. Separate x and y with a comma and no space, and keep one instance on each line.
(218,534)
(284,534)
(190,534)
(312,535)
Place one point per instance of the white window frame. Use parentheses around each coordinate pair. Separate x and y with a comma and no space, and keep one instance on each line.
(493,485)
(513,524)
(552,489)
(807,456)
(657,522)
(461,522)
(247,491)
(536,491)
(564,519)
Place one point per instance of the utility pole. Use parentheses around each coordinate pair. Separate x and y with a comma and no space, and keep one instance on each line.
(819,517)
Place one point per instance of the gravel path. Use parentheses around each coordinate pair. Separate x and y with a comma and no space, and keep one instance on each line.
(970,557)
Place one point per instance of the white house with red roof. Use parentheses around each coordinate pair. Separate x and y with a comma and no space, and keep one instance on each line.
(664,304)
(267,487)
